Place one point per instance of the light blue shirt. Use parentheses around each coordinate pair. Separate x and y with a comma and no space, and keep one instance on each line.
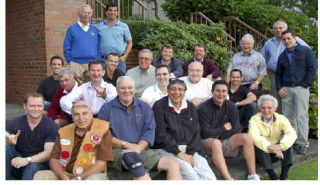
(113,39)
(272,49)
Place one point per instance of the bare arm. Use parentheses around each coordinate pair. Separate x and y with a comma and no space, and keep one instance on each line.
(45,155)
(130,146)
(128,49)
(251,97)
(58,169)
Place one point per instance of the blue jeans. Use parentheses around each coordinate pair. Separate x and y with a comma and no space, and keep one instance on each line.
(122,66)
(24,173)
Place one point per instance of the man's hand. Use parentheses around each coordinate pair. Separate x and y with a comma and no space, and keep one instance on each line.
(101,92)
(11,139)
(274,148)
(227,126)
(269,72)
(186,157)
(209,76)
(19,162)
(282,92)
(254,85)
(131,147)
(279,154)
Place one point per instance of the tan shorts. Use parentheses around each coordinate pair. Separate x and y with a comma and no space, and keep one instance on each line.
(227,148)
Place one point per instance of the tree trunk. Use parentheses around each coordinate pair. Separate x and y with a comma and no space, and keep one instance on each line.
(156,9)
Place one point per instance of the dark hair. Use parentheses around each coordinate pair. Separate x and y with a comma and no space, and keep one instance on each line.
(56,57)
(288,31)
(161,66)
(112,54)
(173,81)
(111,4)
(223,82)
(102,63)
(236,70)
(167,46)
(200,46)
(32,94)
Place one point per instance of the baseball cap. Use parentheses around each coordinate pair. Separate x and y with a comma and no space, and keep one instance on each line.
(134,163)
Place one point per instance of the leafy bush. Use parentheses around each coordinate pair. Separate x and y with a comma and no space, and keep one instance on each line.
(259,14)
(313,109)
(155,33)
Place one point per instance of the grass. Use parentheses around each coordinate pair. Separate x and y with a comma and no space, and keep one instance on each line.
(307,171)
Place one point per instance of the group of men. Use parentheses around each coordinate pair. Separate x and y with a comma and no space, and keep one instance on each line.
(162,115)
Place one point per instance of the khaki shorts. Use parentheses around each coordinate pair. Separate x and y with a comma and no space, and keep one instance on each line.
(226,147)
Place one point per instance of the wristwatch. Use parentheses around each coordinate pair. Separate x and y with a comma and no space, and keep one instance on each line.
(122,144)
(29,159)
(79,178)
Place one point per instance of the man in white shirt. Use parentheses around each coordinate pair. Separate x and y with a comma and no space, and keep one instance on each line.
(198,88)
(95,93)
(158,90)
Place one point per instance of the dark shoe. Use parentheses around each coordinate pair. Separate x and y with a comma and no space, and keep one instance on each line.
(296,148)
(302,150)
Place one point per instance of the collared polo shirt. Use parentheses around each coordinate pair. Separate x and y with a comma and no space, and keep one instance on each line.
(153,94)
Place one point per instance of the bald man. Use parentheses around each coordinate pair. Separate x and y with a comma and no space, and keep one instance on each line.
(84,154)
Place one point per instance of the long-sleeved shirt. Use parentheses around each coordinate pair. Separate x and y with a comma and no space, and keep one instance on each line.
(272,49)
(212,119)
(48,88)
(175,129)
(132,127)
(87,93)
(263,135)
(208,68)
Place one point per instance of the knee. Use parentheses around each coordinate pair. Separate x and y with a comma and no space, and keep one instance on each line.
(216,144)
(168,163)
(247,139)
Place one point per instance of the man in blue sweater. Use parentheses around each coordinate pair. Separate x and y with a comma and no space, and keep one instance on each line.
(296,71)
(81,44)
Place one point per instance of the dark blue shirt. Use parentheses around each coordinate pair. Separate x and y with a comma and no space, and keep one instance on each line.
(29,142)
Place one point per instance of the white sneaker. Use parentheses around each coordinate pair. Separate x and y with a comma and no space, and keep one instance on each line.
(254,177)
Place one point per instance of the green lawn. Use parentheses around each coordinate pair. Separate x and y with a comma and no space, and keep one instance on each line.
(307,171)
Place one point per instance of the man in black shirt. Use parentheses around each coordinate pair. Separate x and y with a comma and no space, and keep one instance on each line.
(112,72)
(243,98)
(219,122)
(50,85)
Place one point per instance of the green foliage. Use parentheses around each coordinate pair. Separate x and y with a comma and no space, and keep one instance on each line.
(313,109)
(155,33)
(259,14)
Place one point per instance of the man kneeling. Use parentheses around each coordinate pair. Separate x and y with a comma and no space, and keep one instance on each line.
(84,154)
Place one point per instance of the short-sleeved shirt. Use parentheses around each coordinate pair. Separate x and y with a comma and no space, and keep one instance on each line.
(153,94)
(240,94)
(29,142)
(104,150)
(117,73)
(48,88)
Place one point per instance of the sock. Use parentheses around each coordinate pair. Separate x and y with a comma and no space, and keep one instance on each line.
(284,172)
(272,174)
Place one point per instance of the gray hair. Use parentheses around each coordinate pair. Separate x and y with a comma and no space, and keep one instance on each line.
(280,22)
(146,51)
(124,78)
(268,97)
(85,5)
(64,71)
(189,66)
(248,35)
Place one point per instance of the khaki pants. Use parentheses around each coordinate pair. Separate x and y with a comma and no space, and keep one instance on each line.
(274,91)
(80,72)
(50,175)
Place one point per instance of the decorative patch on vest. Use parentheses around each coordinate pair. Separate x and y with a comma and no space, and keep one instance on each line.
(65,154)
(95,138)
(91,155)
(82,162)
(79,170)
(65,142)
(63,162)
(94,160)
(87,147)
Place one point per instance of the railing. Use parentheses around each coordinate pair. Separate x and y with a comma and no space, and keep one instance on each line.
(200,18)
(126,9)
(237,28)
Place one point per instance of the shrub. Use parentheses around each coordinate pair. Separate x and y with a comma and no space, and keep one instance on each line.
(313,109)
(155,33)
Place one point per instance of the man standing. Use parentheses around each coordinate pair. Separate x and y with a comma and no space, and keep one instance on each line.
(178,132)
(271,51)
(95,93)
(219,122)
(158,90)
(112,73)
(144,74)
(174,64)
(296,71)
(243,98)
(67,84)
(133,129)
(115,36)
(198,88)
(81,44)
(29,140)
(82,148)
(210,70)
(48,86)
